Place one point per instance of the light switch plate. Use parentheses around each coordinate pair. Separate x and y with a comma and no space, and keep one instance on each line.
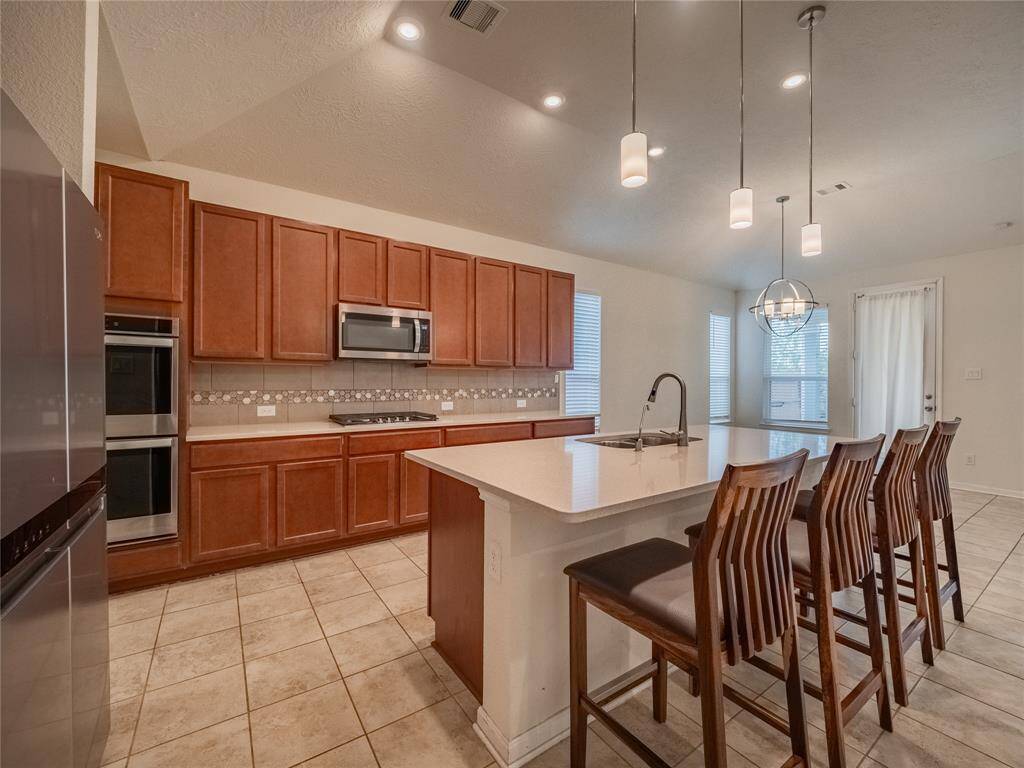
(266,410)
(972,374)
(520,403)
(447,405)
(970,459)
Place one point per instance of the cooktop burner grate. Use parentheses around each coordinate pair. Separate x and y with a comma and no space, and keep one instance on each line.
(397,417)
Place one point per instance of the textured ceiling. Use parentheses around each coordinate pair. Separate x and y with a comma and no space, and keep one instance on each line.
(918,106)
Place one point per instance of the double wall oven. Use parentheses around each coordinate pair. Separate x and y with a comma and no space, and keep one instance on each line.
(142,426)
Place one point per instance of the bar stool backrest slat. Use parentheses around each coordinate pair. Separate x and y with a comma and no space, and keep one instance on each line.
(895,501)
(930,473)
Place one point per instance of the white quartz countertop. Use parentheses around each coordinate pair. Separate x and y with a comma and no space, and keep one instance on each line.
(579,481)
(328,427)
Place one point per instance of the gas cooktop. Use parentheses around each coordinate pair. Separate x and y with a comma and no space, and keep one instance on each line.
(397,417)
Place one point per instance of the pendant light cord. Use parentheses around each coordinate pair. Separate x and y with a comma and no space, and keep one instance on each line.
(634,66)
(782,241)
(741,95)
(810,133)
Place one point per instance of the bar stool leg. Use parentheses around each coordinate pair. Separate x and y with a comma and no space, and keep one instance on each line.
(712,703)
(577,676)
(893,632)
(831,695)
(932,584)
(659,685)
(794,695)
(920,601)
(869,586)
(953,563)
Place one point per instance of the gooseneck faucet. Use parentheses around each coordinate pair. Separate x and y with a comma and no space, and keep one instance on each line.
(682,434)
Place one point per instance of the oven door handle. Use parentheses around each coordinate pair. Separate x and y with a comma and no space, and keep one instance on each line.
(130,445)
(122,340)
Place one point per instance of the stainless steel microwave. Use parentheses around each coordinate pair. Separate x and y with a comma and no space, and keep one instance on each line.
(383,333)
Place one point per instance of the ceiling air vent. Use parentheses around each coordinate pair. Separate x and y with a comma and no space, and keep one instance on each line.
(839,186)
(479,15)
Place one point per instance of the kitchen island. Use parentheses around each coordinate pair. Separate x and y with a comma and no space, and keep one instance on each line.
(506,518)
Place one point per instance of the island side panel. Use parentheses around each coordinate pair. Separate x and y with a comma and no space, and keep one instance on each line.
(456,577)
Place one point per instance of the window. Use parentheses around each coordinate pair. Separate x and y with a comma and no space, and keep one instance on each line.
(583,382)
(720,368)
(796,374)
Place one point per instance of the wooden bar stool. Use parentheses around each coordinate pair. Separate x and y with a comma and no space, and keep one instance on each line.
(896,525)
(831,550)
(723,601)
(933,505)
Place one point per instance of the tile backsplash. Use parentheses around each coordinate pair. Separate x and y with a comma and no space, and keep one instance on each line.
(229,393)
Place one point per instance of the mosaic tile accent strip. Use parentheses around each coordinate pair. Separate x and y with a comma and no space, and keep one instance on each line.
(256,396)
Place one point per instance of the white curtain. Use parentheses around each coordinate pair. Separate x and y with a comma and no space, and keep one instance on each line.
(890,347)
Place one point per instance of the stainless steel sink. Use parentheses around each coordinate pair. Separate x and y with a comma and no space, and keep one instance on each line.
(630,442)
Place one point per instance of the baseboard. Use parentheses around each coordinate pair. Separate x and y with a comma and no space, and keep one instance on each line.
(1013,494)
(526,746)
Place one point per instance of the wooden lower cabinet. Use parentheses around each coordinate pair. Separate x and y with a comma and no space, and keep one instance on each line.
(372,492)
(414,494)
(230,512)
(310,501)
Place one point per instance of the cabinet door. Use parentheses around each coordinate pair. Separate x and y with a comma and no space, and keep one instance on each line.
(229,298)
(415,495)
(452,300)
(310,501)
(230,512)
(303,290)
(361,275)
(408,276)
(494,310)
(561,295)
(144,216)
(531,291)
(372,492)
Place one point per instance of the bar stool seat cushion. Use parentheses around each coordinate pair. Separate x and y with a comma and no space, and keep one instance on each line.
(653,578)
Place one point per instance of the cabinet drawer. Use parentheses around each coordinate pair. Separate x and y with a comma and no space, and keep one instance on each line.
(495,433)
(205,455)
(381,442)
(563,428)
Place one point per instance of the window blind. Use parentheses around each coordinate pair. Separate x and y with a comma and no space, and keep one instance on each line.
(583,382)
(720,368)
(796,374)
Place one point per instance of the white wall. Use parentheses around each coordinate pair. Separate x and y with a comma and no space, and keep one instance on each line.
(49,58)
(650,322)
(982,327)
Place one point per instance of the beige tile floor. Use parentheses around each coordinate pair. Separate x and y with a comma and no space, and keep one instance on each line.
(326,662)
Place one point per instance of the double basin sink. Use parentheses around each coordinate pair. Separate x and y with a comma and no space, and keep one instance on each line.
(650,441)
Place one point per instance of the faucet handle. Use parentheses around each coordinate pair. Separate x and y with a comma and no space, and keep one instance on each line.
(672,434)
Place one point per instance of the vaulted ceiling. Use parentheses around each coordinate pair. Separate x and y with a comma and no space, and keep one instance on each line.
(918,107)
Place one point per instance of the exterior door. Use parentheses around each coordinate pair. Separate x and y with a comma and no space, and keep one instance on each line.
(896,356)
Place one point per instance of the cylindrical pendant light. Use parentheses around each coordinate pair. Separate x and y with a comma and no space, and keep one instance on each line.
(633,148)
(741,201)
(810,233)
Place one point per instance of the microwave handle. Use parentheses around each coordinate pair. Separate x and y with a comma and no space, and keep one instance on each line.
(417,335)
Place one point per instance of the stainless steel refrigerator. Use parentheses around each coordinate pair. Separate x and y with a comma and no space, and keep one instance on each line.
(53,587)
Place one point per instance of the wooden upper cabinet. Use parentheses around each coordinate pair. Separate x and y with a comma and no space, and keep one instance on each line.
(452,300)
(302,287)
(144,217)
(560,298)
(361,271)
(531,291)
(229,295)
(408,276)
(494,313)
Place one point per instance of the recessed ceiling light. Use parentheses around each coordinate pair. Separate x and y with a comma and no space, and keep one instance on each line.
(655,151)
(554,100)
(407,29)
(795,80)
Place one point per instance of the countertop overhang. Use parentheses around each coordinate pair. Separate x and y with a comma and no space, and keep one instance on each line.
(579,481)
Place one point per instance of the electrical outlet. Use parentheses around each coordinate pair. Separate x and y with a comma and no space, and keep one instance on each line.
(972,374)
(447,405)
(266,410)
(494,560)
(520,403)
(969,459)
